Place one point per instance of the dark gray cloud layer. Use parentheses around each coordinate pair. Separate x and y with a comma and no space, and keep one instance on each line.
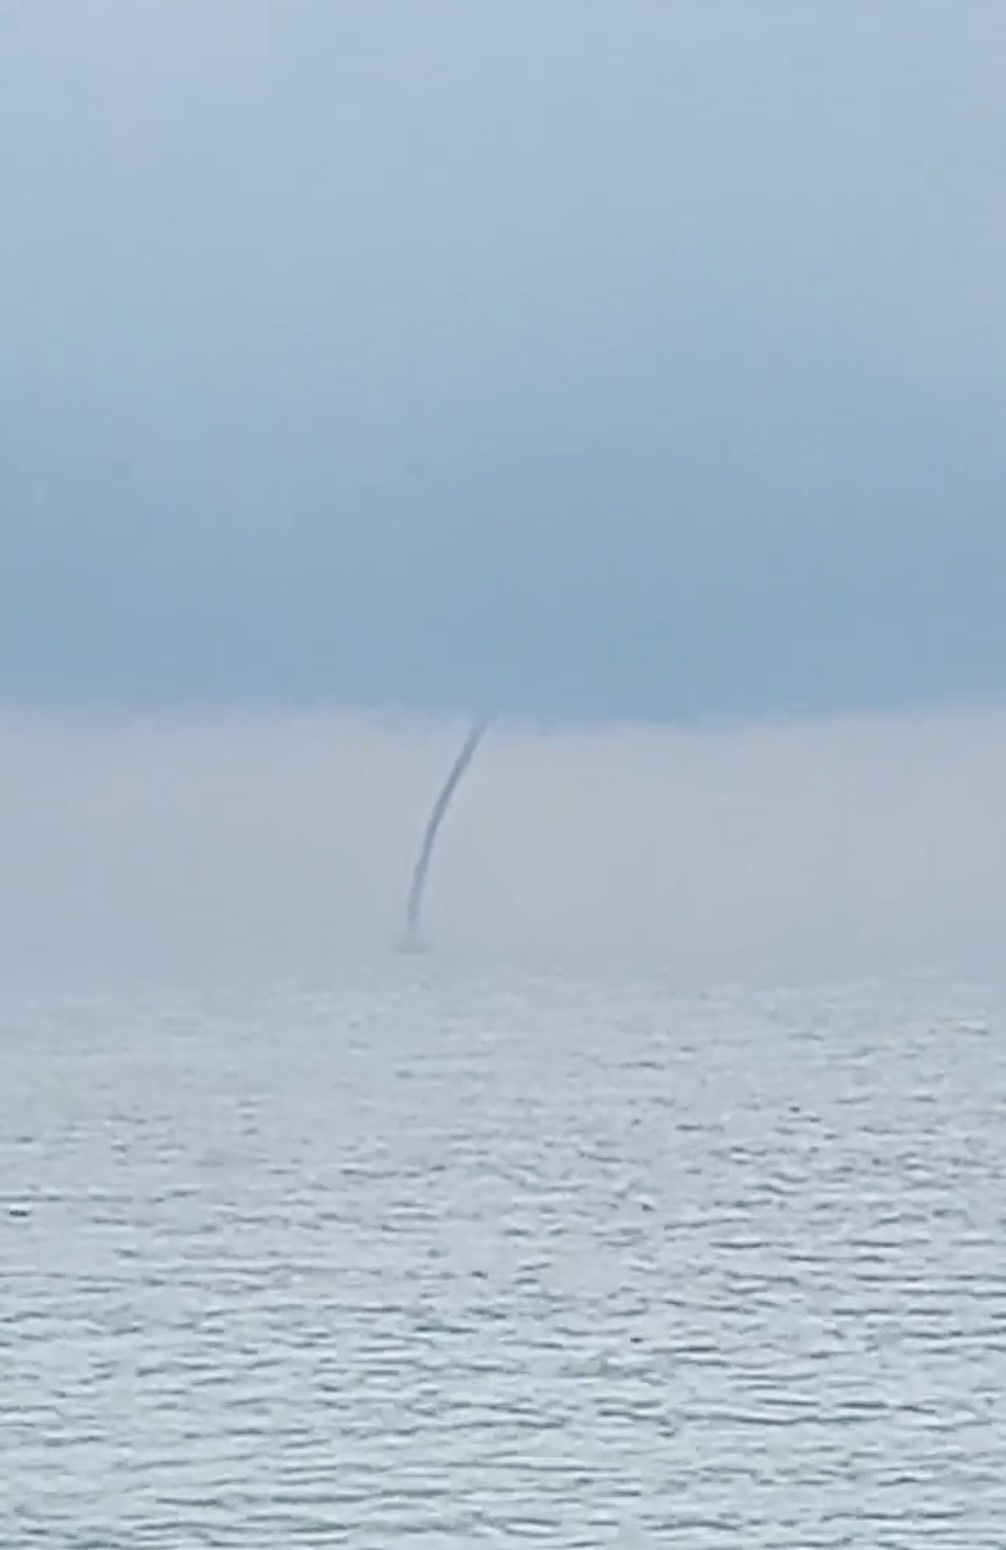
(582,359)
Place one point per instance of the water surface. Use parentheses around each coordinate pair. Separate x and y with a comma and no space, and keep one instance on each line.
(442,1259)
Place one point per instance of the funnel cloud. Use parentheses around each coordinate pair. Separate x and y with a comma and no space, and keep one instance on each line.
(412,940)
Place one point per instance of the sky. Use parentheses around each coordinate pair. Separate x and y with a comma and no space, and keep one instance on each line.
(634,372)
(586,362)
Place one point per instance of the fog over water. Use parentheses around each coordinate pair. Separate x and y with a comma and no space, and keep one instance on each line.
(284,840)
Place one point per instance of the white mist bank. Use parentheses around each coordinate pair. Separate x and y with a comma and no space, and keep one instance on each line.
(847,845)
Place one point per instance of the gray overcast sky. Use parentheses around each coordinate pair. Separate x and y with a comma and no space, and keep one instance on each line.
(576,358)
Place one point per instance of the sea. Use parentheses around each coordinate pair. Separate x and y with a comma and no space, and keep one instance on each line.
(430,1254)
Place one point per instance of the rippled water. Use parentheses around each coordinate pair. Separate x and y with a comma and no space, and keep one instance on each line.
(457,1260)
